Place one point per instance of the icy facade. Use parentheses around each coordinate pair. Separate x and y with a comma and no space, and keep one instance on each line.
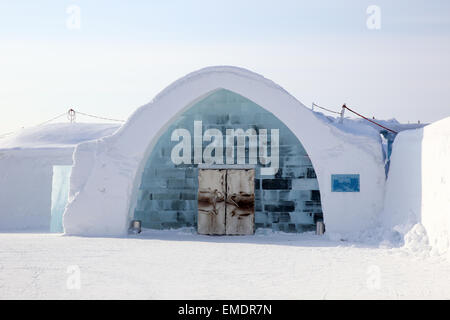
(60,194)
(288,200)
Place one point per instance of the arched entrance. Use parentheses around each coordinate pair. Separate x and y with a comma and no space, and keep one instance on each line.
(226,130)
(108,178)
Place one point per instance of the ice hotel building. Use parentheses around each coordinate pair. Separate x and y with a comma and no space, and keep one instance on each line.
(225,151)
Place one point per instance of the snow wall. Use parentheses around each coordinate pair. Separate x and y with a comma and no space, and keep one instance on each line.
(418,186)
(27,160)
(26,187)
(107,173)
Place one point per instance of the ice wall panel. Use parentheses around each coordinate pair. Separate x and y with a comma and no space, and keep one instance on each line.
(60,194)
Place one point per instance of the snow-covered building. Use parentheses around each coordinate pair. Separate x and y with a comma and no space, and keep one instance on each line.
(226,151)
(35,166)
(230,151)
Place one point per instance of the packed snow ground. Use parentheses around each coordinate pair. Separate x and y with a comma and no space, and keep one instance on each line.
(183,265)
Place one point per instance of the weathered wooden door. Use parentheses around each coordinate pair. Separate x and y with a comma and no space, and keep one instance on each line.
(211,201)
(226,201)
(240,209)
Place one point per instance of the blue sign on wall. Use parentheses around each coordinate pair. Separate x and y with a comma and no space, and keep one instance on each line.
(345,182)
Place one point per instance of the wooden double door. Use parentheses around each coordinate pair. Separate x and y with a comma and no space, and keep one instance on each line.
(226,201)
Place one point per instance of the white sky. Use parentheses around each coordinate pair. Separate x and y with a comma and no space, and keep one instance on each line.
(125,52)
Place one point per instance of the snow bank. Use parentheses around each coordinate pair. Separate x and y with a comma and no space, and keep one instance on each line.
(107,173)
(418,186)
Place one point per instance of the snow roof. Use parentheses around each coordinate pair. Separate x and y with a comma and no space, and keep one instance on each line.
(362,127)
(57,135)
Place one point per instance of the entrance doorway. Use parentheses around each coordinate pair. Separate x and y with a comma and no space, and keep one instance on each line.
(226,201)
